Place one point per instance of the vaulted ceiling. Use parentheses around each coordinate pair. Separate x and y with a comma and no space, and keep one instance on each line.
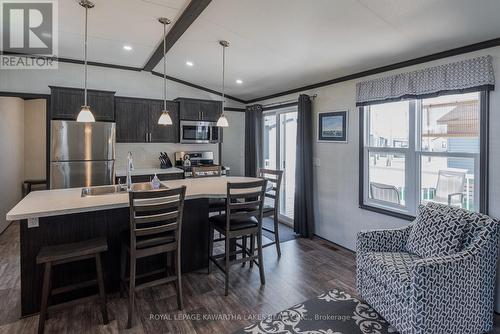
(277,45)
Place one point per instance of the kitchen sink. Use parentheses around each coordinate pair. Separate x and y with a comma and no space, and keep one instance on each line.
(117,189)
(145,186)
(103,190)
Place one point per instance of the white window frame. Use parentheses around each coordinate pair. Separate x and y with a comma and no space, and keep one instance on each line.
(413,164)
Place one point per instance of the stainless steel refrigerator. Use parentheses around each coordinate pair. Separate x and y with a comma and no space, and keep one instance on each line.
(82,154)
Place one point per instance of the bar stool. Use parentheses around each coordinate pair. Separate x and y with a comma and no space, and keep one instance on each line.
(52,256)
(242,219)
(273,177)
(155,228)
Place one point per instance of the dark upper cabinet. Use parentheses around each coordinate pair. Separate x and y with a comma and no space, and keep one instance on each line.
(132,116)
(65,103)
(137,121)
(163,133)
(210,110)
(199,110)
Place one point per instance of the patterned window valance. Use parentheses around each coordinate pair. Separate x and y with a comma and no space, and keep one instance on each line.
(459,77)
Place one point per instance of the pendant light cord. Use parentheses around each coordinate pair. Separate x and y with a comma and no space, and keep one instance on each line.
(85,48)
(164,67)
(223,77)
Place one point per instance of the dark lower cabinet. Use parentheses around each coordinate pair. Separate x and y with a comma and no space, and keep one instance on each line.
(137,121)
(65,103)
(132,117)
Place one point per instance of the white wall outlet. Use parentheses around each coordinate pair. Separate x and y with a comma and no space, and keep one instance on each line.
(33,222)
(316,162)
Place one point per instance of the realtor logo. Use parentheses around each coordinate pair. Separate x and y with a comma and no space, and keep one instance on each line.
(29,33)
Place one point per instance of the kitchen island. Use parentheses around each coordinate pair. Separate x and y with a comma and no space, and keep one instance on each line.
(52,217)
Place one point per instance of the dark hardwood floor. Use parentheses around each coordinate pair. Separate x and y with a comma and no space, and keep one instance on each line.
(306,268)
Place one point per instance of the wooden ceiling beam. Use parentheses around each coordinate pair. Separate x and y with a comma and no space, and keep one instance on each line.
(190,14)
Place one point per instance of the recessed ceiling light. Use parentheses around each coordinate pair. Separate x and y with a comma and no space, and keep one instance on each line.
(239,81)
(189,63)
(127,47)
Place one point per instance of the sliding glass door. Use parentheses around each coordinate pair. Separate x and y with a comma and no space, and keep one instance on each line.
(279,152)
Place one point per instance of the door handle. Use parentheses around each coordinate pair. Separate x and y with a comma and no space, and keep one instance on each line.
(150,137)
(146,137)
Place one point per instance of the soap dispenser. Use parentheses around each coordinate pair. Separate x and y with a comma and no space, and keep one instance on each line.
(155,182)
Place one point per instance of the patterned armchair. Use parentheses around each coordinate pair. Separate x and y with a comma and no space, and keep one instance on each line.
(447,293)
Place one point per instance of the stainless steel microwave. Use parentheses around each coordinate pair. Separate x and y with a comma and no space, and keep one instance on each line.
(199,132)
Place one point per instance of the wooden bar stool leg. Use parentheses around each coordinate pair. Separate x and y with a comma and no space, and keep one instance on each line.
(179,280)
(244,247)
(45,297)
(102,292)
(226,267)
(252,248)
(131,291)
(277,233)
(261,262)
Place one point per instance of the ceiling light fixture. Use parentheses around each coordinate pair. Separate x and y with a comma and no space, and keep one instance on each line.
(165,118)
(85,115)
(189,63)
(127,47)
(222,121)
(239,81)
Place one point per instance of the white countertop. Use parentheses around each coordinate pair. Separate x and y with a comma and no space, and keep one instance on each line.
(46,203)
(149,171)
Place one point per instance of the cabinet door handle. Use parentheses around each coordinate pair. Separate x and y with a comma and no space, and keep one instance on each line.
(146,137)
(150,137)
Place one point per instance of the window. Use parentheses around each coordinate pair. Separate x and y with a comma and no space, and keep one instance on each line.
(415,151)
(279,152)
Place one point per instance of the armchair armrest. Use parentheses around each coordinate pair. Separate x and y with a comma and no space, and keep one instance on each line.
(389,240)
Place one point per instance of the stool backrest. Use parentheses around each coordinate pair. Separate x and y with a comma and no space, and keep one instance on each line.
(156,213)
(245,200)
(273,177)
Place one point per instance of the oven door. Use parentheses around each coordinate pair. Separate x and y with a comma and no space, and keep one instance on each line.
(195,132)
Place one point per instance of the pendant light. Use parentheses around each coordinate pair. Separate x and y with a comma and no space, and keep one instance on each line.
(222,121)
(165,118)
(85,115)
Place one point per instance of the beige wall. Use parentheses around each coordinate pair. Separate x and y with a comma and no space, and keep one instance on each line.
(11,154)
(34,139)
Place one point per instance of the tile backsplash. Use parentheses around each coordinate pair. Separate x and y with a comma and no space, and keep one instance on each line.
(146,155)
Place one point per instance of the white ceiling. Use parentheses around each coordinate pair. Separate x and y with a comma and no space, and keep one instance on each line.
(278,45)
(113,24)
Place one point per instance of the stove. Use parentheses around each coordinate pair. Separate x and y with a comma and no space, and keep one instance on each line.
(186,160)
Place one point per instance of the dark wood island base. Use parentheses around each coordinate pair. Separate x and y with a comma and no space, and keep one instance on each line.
(104,223)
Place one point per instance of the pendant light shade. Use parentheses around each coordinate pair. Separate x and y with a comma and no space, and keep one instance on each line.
(85,115)
(222,121)
(165,118)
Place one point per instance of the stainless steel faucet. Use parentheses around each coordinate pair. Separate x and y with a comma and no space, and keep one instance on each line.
(130,168)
